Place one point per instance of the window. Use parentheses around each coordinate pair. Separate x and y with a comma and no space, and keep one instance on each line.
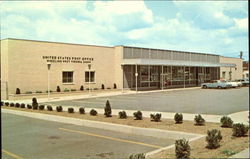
(91,78)
(230,75)
(224,74)
(67,77)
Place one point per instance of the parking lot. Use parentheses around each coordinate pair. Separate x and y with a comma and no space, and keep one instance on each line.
(24,137)
(205,101)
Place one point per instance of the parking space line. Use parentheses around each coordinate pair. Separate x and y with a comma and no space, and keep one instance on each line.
(12,154)
(110,138)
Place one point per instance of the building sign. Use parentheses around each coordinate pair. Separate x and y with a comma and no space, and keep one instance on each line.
(67,59)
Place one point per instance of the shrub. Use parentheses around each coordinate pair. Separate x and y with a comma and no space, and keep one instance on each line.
(138,115)
(38,91)
(107,109)
(66,90)
(81,88)
(226,122)
(59,108)
(178,117)
(182,149)
(6,103)
(28,92)
(71,110)
(18,91)
(49,108)
(41,107)
(29,106)
(22,105)
(137,156)
(95,88)
(213,138)
(58,89)
(103,86)
(34,103)
(199,120)
(12,104)
(49,91)
(17,105)
(81,110)
(239,130)
(155,117)
(2,103)
(229,152)
(122,115)
(108,88)
(93,112)
(114,86)
(72,90)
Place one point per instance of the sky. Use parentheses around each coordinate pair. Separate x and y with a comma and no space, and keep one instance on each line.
(217,27)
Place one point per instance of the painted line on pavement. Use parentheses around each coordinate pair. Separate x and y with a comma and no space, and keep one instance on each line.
(11,154)
(110,138)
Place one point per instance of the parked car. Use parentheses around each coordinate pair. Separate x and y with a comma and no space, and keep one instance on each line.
(235,83)
(216,84)
(244,82)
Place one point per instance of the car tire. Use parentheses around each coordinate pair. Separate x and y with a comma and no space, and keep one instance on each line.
(204,87)
(219,87)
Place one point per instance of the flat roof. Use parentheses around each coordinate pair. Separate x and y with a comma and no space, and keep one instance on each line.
(171,50)
(56,42)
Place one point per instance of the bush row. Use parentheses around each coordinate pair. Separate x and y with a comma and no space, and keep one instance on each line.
(58,89)
(226,122)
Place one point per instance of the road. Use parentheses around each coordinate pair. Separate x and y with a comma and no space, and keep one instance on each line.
(24,137)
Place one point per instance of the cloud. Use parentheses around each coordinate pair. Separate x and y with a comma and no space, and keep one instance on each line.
(213,27)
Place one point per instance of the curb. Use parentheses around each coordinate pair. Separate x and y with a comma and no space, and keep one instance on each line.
(242,154)
(151,154)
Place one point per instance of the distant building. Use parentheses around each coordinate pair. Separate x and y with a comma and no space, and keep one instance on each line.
(245,69)
(231,73)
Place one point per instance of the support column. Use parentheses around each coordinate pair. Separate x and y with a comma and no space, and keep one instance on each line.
(205,69)
(122,78)
(162,77)
(136,75)
(184,76)
(171,76)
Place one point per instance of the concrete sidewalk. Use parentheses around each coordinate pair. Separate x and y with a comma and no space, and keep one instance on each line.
(239,117)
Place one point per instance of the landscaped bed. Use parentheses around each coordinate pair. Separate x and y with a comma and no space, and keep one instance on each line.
(229,144)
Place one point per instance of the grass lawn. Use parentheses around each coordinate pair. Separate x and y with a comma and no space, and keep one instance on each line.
(229,145)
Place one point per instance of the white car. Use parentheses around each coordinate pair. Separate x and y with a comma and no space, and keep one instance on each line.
(235,83)
(244,82)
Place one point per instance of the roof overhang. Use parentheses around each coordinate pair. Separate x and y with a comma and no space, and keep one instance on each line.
(173,63)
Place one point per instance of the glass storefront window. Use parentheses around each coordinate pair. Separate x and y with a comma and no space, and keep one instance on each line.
(144,73)
(154,73)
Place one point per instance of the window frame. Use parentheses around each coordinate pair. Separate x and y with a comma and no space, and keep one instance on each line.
(68,81)
(86,80)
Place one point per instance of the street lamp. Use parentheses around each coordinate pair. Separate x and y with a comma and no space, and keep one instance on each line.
(49,65)
(89,66)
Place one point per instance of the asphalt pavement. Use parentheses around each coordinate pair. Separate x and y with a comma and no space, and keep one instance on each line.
(203,101)
(29,138)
